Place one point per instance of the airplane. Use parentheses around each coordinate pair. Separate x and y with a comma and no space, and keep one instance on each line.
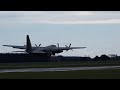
(50,50)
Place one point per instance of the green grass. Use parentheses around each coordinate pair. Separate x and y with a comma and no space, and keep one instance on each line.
(57,64)
(86,74)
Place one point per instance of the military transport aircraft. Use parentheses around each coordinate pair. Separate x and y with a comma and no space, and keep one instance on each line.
(50,50)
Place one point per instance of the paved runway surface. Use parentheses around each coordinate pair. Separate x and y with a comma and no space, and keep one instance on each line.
(58,69)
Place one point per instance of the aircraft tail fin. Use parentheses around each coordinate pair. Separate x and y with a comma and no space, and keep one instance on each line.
(28,45)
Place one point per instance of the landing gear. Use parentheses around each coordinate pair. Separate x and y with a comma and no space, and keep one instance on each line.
(53,53)
(48,55)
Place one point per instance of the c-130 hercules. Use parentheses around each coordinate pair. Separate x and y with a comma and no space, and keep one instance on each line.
(50,50)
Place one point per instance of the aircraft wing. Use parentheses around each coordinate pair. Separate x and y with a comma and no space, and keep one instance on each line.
(77,47)
(19,47)
(38,51)
(68,48)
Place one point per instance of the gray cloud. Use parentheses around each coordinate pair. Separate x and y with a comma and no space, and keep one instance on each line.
(59,17)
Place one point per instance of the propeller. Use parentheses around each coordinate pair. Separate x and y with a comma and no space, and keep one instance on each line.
(66,45)
(38,46)
(69,47)
(35,45)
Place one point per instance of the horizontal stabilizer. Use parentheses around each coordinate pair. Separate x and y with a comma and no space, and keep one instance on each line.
(14,46)
(18,51)
(8,45)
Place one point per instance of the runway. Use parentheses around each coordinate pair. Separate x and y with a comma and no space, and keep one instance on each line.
(58,69)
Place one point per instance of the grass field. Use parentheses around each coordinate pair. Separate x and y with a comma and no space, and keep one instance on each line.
(85,74)
(57,64)
(91,74)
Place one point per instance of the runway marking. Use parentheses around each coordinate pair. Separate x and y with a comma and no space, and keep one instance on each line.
(58,69)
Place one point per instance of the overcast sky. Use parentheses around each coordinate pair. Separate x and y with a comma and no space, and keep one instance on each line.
(60,17)
(97,30)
